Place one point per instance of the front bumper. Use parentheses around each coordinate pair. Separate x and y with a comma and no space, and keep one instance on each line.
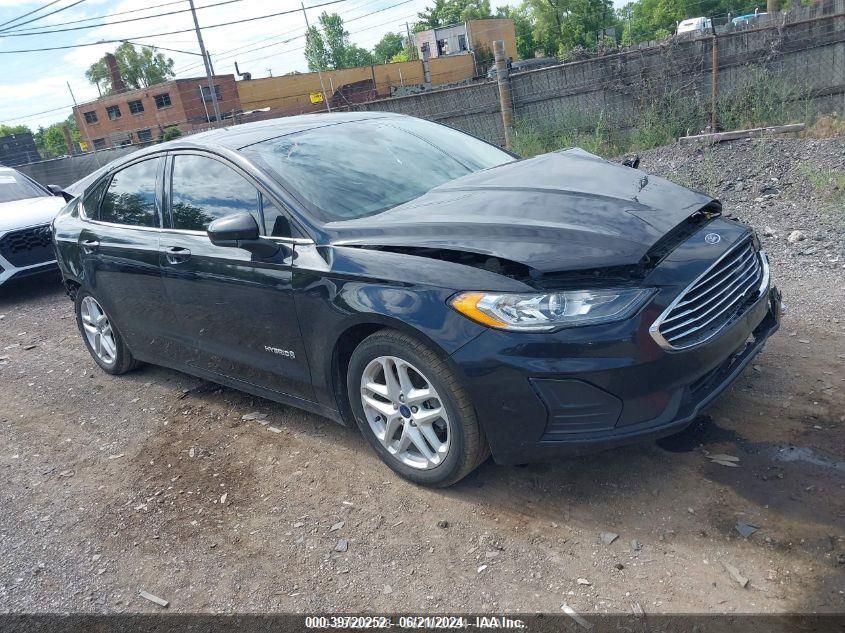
(604,386)
(27,251)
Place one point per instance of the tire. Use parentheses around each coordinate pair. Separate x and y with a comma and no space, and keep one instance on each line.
(466,446)
(118,359)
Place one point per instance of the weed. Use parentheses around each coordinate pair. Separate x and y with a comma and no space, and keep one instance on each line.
(829,183)
(767,98)
(826,126)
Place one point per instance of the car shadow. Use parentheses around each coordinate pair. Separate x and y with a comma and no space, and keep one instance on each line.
(31,288)
(777,477)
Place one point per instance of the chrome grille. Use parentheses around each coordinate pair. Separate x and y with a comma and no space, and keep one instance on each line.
(714,300)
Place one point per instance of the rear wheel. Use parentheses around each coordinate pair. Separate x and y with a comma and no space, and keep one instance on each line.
(101,337)
(412,410)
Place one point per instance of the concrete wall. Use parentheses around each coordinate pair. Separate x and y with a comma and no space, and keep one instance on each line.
(805,47)
(290,94)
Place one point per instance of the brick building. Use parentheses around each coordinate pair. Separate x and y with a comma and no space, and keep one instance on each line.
(140,116)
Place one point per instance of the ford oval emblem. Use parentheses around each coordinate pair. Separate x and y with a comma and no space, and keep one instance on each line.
(712,238)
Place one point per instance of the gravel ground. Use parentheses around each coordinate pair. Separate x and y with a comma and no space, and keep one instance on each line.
(155,481)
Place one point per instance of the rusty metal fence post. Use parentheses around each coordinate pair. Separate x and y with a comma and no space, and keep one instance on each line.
(504,82)
(714,83)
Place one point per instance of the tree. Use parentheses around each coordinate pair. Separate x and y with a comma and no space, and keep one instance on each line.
(561,25)
(50,140)
(523,24)
(446,12)
(327,47)
(316,53)
(139,68)
(169,132)
(391,44)
(9,130)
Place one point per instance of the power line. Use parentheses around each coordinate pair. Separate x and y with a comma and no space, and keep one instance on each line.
(94,26)
(225,54)
(21,17)
(138,37)
(299,48)
(100,17)
(34,114)
(41,17)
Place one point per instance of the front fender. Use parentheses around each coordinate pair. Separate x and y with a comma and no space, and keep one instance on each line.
(377,289)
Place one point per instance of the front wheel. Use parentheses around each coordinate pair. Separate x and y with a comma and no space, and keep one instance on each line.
(412,410)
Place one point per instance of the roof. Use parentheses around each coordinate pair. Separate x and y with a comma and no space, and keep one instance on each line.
(239,136)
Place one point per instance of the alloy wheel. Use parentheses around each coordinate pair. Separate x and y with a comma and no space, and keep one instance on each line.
(405,412)
(98,330)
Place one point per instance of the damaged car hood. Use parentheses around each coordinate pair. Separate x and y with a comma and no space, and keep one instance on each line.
(567,210)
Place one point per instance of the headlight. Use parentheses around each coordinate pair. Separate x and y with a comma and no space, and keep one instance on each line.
(549,311)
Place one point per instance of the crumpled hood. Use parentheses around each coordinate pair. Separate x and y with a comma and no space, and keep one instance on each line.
(561,211)
(20,214)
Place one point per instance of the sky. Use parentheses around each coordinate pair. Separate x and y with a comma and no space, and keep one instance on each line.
(34,85)
(36,82)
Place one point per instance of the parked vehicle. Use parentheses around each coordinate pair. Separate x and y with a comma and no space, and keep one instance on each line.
(446,296)
(694,25)
(524,65)
(26,210)
(746,21)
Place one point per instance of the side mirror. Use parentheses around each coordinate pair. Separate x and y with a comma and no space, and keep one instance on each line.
(229,230)
(58,191)
(240,230)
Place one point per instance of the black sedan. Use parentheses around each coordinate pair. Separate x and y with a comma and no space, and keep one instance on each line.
(447,297)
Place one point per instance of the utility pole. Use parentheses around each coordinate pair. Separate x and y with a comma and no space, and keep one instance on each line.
(319,70)
(208,72)
(84,125)
(203,101)
(411,44)
(505,99)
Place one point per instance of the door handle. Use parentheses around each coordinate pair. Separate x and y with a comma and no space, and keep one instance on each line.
(90,245)
(177,254)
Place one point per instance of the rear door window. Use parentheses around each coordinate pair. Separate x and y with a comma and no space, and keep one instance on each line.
(131,196)
(204,189)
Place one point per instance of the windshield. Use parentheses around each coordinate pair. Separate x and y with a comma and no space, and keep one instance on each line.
(352,170)
(14,186)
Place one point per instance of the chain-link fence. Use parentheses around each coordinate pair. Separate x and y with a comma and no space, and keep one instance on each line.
(784,67)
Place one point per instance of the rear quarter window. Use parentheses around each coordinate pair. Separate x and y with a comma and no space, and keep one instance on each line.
(130,198)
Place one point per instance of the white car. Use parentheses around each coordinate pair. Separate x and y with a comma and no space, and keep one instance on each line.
(26,211)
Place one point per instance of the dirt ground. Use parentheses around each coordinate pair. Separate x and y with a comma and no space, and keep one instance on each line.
(153,481)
